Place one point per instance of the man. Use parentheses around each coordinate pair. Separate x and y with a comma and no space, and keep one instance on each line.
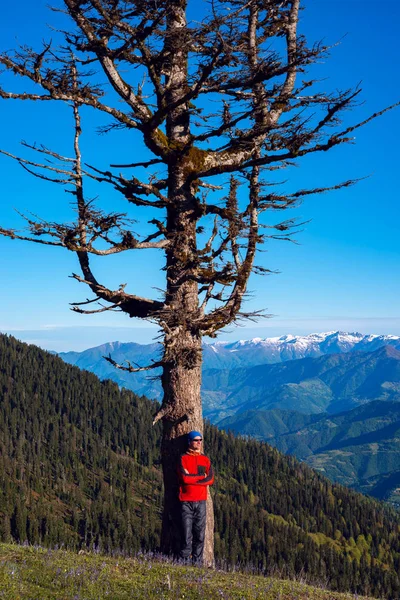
(195,475)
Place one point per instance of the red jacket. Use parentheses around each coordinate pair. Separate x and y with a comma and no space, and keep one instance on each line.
(195,474)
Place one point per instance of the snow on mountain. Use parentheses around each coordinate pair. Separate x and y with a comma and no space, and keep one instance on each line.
(290,347)
(223,354)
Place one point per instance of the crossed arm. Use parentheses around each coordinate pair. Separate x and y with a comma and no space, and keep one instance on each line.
(195,479)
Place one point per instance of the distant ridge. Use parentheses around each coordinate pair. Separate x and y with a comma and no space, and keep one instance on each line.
(224,355)
(330,383)
(290,347)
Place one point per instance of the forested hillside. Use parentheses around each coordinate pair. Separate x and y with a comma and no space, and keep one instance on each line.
(332,383)
(78,467)
(358,448)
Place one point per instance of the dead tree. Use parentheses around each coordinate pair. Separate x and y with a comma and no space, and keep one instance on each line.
(221,103)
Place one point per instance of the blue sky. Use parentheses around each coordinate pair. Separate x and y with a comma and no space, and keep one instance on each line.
(343,274)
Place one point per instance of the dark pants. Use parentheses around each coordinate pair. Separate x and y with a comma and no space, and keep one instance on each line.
(193,530)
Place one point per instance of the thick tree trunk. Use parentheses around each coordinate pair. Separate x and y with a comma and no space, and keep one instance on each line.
(181,377)
(181,385)
(181,382)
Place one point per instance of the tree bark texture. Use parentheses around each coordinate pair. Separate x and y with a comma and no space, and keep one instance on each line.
(181,384)
(181,378)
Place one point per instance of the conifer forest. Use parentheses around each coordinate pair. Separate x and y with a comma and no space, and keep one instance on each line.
(79,468)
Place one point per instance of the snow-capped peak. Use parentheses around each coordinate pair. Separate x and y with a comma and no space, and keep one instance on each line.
(286,347)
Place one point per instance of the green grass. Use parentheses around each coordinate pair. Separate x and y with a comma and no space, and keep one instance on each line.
(39,574)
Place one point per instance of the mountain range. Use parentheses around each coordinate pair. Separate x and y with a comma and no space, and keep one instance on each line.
(331,383)
(222,355)
(258,351)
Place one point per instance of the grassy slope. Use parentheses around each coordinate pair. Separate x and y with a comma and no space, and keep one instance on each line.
(28,573)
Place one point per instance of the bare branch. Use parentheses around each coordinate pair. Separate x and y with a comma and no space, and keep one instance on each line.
(145,164)
(132,369)
(24,161)
(139,108)
(81,311)
(54,93)
(135,306)
(14,236)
